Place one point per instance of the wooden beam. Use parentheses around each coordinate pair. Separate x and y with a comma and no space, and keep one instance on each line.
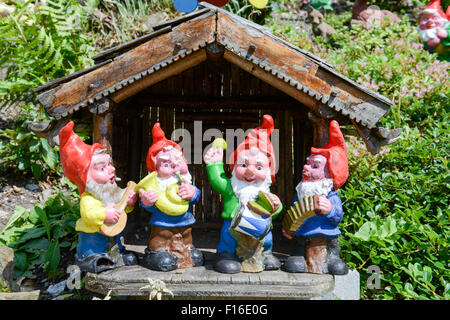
(269,78)
(160,75)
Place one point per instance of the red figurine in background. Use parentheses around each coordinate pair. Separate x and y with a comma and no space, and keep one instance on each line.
(434,29)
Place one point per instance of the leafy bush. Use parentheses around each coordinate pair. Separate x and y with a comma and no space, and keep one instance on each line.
(37,235)
(396,204)
(21,150)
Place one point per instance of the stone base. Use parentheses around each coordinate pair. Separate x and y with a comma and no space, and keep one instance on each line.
(205,283)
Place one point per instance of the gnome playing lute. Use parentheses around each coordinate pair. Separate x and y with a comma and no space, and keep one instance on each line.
(90,168)
(253,172)
(316,247)
(168,194)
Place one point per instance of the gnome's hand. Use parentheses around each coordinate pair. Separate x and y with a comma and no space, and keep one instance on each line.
(441,33)
(213,155)
(186,191)
(324,206)
(112,215)
(149,197)
(288,234)
(433,43)
(132,198)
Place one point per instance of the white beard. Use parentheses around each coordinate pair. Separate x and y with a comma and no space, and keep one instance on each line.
(246,191)
(107,193)
(322,187)
(427,34)
(164,183)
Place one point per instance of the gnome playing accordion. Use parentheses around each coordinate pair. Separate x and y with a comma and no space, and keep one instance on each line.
(90,168)
(316,247)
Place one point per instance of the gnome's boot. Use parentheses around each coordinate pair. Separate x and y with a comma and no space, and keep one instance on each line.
(270,261)
(95,263)
(226,262)
(334,263)
(159,260)
(196,256)
(296,262)
(129,257)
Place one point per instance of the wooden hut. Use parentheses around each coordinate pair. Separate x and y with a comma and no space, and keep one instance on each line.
(220,69)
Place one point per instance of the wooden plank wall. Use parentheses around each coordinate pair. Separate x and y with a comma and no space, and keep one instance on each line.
(222,80)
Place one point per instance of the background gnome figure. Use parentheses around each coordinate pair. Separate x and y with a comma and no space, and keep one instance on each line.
(245,219)
(434,29)
(316,248)
(168,194)
(90,168)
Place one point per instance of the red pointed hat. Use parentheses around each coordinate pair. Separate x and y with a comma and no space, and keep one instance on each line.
(434,7)
(336,153)
(260,138)
(75,156)
(159,142)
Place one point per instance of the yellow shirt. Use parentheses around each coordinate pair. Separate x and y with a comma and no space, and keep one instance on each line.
(92,212)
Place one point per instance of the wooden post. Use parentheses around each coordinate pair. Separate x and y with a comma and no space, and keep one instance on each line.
(320,129)
(102,131)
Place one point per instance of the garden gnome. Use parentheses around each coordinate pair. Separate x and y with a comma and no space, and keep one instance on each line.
(316,248)
(90,168)
(168,194)
(253,172)
(434,29)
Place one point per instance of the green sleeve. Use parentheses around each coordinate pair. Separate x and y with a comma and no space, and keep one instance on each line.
(217,178)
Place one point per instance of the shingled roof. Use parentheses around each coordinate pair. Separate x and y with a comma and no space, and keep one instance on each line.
(182,43)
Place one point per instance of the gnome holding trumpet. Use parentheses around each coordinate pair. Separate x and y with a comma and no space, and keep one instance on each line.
(103,205)
(245,238)
(168,194)
(317,210)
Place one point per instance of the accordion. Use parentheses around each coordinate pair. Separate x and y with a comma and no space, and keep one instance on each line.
(299,212)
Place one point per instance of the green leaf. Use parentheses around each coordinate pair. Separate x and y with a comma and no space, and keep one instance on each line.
(48,154)
(364,232)
(20,261)
(53,256)
(43,218)
(18,212)
(32,234)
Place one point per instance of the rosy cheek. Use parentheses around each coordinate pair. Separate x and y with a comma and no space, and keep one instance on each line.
(239,172)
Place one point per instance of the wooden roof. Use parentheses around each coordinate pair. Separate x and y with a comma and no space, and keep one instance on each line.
(182,43)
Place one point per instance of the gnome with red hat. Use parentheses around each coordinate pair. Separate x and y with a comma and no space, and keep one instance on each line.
(253,172)
(168,194)
(325,171)
(90,168)
(434,29)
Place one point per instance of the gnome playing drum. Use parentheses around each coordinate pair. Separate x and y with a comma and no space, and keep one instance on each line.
(168,194)
(90,168)
(316,248)
(248,204)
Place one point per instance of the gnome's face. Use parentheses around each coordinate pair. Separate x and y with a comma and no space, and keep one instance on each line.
(252,166)
(431,21)
(170,161)
(101,170)
(315,168)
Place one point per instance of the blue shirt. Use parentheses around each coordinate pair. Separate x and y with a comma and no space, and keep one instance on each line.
(323,226)
(160,219)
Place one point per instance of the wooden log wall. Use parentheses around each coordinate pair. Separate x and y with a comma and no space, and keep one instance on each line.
(222,96)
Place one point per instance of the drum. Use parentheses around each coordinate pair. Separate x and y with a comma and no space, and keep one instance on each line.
(250,223)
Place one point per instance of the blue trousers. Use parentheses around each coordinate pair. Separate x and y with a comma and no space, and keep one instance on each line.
(91,243)
(228,243)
